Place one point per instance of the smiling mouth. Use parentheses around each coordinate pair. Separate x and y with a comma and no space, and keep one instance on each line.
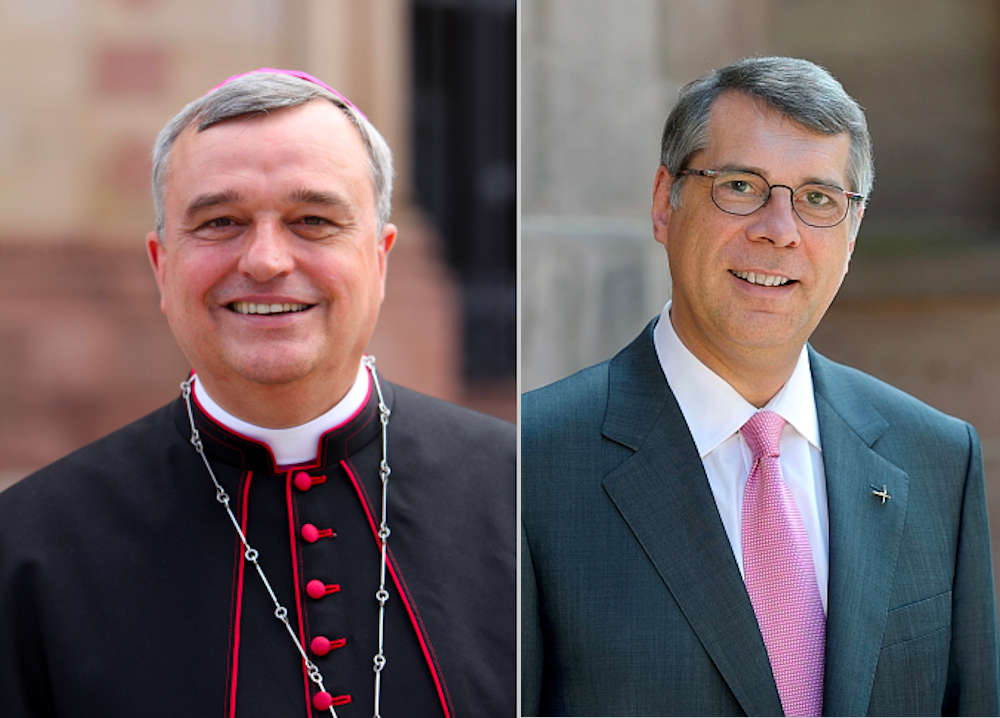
(763,280)
(259,308)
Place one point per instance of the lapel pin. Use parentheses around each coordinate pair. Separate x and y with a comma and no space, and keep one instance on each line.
(880,493)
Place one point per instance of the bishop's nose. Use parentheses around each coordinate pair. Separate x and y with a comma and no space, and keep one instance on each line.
(267,252)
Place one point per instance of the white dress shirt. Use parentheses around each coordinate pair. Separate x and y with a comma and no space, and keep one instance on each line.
(296,444)
(715,411)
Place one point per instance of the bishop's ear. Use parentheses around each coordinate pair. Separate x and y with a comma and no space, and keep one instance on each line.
(157,252)
(383,247)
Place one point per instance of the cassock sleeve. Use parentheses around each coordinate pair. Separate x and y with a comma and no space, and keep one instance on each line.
(23,680)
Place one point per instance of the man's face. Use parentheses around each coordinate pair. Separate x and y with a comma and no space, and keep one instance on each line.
(270,269)
(725,319)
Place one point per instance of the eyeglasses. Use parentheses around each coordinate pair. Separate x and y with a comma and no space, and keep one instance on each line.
(743,192)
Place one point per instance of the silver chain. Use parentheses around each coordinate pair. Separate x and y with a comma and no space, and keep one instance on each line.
(253,556)
(382,595)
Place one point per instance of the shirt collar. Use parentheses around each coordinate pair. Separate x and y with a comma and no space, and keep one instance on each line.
(712,408)
(296,444)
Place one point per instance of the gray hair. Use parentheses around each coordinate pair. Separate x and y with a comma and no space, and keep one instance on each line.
(798,89)
(261,92)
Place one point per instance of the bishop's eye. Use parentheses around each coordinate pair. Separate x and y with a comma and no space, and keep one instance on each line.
(218,228)
(737,186)
(313,226)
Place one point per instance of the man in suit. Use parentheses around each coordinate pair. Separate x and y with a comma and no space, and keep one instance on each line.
(719,520)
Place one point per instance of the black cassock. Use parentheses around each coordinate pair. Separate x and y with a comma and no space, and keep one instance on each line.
(124,590)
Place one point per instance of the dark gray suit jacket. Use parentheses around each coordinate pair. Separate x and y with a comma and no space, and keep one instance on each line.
(632,602)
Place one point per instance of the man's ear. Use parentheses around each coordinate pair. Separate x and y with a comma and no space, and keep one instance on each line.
(857,222)
(157,253)
(661,209)
(854,231)
(852,234)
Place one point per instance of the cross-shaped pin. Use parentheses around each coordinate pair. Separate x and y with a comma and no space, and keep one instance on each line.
(883,494)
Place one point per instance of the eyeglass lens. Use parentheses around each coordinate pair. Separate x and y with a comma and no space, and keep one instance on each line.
(745,192)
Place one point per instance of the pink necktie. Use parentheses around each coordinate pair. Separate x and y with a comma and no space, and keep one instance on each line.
(779,574)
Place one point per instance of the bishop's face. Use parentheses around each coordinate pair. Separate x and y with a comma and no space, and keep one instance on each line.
(721,313)
(270,268)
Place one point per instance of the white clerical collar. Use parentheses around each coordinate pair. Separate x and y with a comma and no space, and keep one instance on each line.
(296,444)
(712,408)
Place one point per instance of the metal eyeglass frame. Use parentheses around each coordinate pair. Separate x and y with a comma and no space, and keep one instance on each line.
(851,196)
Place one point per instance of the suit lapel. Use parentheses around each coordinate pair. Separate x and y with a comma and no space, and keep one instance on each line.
(663,495)
(865,536)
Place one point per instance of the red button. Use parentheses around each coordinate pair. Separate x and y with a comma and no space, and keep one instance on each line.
(310,533)
(318,589)
(321,645)
(303,481)
(322,701)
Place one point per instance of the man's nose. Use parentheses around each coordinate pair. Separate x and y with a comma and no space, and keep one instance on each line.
(776,222)
(267,253)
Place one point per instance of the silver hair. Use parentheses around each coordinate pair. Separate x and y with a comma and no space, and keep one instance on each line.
(262,92)
(799,89)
